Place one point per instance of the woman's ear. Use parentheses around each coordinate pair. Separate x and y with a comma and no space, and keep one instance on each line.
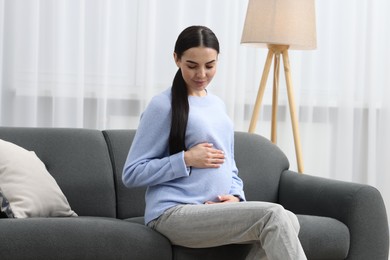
(177,60)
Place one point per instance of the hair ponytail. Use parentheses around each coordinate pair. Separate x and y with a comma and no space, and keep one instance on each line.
(180,109)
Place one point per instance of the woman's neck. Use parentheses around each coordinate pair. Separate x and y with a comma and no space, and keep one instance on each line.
(201,93)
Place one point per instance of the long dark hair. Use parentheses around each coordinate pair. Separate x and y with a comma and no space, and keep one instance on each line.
(193,36)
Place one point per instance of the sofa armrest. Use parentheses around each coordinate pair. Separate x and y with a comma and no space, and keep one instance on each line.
(360,207)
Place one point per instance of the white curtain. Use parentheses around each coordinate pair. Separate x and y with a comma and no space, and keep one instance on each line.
(97,63)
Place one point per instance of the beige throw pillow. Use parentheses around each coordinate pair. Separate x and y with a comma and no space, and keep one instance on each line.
(26,188)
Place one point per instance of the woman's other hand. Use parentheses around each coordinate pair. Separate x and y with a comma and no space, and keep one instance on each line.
(224,199)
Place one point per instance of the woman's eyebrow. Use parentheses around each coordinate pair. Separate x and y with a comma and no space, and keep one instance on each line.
(193,62)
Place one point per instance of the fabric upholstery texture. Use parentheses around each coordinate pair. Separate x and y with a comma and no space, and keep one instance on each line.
(260,164)
(360,207)
(26,188)
(5,207)
(235,251)
(92,238)
(119,142)
(339,220)
(323,236)
(78,160)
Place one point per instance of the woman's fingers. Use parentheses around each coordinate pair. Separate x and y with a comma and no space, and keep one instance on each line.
(204,156)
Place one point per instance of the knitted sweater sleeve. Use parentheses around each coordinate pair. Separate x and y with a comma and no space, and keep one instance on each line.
(237,184)
(148,162)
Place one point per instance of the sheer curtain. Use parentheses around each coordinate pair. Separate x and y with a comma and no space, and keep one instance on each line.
(97,63)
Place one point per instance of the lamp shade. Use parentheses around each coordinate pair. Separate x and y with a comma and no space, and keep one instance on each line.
(280,22)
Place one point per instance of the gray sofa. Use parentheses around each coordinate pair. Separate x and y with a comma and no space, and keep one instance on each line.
(339,220)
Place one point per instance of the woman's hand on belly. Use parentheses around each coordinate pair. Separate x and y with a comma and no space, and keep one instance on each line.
(224,199)
(203,155)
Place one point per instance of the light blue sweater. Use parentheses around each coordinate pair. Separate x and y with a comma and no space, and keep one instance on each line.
(168,179)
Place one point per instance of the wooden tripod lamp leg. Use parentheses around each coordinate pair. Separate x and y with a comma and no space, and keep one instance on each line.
(291,101)
(260,93)
(275,94)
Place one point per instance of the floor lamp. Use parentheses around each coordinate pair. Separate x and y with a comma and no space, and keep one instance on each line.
(279,25)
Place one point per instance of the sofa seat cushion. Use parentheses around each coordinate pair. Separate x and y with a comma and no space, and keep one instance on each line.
(323,237)
(80,238)
(227,252)
(138,220)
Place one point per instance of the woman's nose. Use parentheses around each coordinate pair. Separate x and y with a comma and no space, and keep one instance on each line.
(201,73)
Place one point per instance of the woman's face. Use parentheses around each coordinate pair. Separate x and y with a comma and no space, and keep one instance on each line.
(198,67)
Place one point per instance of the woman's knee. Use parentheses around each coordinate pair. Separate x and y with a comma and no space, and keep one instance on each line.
(279,213)
(277,210)
(285,216)
(294,221)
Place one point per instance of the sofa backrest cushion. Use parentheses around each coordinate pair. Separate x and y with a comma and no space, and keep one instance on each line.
(260,165)
(131,202)
(79,161)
